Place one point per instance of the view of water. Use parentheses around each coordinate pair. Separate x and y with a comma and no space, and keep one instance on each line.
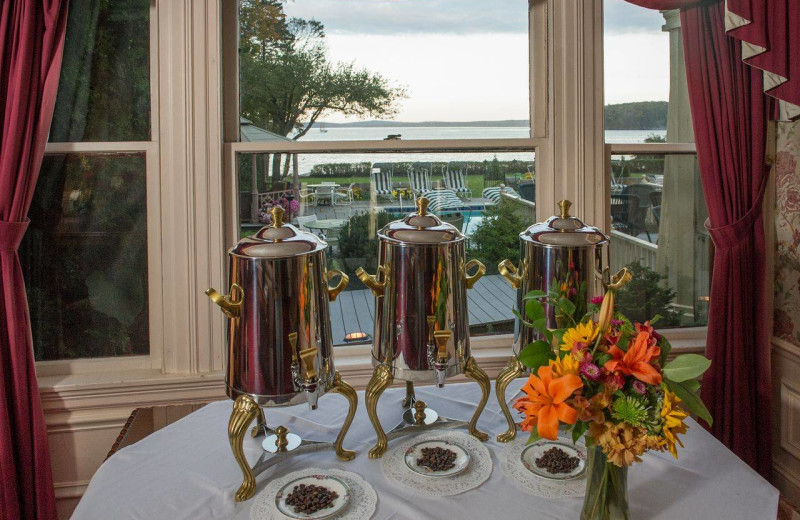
(307,161)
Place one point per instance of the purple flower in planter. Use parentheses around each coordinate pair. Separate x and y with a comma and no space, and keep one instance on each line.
(294,206)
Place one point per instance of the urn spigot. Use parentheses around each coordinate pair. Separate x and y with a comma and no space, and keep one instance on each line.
(442,362)
(305,380)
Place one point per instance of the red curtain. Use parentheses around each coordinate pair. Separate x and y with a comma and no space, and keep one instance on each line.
(729,116)
(31,44)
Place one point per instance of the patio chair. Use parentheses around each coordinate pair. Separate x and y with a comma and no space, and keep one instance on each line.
(381,180)
(324,192)
(625,214)
(454,179)
(344,195)
(655,206)
(527,190)
(306,219)
(419,178)
(442,200)
(493,193)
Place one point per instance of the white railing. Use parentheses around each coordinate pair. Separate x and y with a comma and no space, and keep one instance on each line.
(625,249)
(524,208)
(267,196)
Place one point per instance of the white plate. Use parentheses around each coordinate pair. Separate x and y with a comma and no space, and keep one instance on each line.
(415,452)
(332,483)
(537,449)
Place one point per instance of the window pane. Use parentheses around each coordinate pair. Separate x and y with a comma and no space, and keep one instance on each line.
(84,257)
(364,69)
(645,78)
(104,90)
(371,190)
(658,211)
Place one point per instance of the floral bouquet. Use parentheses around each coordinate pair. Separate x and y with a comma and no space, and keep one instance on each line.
(607,379)
(290,208)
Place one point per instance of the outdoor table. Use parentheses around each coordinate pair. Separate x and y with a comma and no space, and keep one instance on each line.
(332,187)
(187,471)
(325,224)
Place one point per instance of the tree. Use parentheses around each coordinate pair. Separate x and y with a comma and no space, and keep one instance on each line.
(288,80)
(497,236)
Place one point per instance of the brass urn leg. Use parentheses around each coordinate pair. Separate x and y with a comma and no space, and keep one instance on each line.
(380,381)
(513,370)
(340,386)
(410,396)
(244,411)
(475,372)
(261,424)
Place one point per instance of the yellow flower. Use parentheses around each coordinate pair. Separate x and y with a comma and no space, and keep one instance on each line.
(673,416)
(622,443)
(581,333)
(565,365)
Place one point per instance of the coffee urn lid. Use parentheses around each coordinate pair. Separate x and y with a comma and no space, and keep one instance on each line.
(421,227)
(278,240)
(564,230)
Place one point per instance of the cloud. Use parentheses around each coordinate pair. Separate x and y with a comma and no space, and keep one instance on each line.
(390,17)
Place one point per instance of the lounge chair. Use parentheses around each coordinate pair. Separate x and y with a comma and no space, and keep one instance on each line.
(454,179)
(419,178)
(442,200)
(324,192)
(306,219)
(345,195)
(381,180)
(493,193)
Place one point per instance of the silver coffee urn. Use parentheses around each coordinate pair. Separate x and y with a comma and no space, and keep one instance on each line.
(421,320)
(280,349)
(561,248)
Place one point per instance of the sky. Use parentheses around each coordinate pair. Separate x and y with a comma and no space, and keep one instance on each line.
(461,61)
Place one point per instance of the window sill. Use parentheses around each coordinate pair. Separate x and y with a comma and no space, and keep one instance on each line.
(124,390)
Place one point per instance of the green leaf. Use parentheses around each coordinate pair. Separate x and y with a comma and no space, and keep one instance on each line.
(566,306)
(522,319)
(685,367)
(534,310)
(691,400)
(540,324)
(692,384)
(578,431)
(602,359)
(534,437)
(534,294)
(536,354)
(666,348)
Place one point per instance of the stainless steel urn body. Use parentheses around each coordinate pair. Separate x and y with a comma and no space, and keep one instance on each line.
(280,350)
(561,250)
(421,317)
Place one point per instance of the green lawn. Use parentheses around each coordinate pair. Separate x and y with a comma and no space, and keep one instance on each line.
(474,182)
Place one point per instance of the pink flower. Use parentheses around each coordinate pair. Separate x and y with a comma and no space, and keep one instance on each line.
(294,205)
(590,371)
(639,387)
(614,381)
(597,300)
(790,199)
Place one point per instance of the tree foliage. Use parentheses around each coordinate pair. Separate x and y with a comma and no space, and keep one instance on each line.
(497,236)
(288,80)
(646,296)
(644,115)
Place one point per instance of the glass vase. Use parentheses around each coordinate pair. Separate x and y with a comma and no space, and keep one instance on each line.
(606,489)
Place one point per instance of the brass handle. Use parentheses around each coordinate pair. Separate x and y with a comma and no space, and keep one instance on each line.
(509,272)
(333,292)
(308,356)
(372,281)
(472,279)
(442,337)
(229,303)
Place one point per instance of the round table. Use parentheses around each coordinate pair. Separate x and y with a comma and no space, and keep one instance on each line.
(325,224)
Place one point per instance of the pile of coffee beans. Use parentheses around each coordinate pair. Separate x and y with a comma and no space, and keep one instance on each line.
(556,460)
(437,459)
(310,498)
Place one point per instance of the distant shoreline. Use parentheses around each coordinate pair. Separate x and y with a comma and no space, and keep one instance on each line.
(512,123)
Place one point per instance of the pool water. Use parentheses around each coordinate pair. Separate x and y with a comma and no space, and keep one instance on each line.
(471,221)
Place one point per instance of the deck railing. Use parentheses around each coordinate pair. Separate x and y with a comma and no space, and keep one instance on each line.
(524,208)
(626,249)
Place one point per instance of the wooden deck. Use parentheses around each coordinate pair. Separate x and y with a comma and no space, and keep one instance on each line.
(490,301)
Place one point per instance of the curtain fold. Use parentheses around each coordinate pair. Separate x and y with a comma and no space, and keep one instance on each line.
(31,45)
(729,117)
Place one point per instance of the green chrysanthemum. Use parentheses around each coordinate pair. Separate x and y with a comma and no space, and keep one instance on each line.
(630,410)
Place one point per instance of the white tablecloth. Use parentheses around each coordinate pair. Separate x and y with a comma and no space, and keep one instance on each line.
(187,471)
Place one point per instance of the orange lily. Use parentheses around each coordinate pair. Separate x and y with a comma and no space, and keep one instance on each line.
(636,361)
(543,404)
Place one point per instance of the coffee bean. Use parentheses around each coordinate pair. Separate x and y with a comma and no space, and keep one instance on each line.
(310,498)
(437,459)
(556,460)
